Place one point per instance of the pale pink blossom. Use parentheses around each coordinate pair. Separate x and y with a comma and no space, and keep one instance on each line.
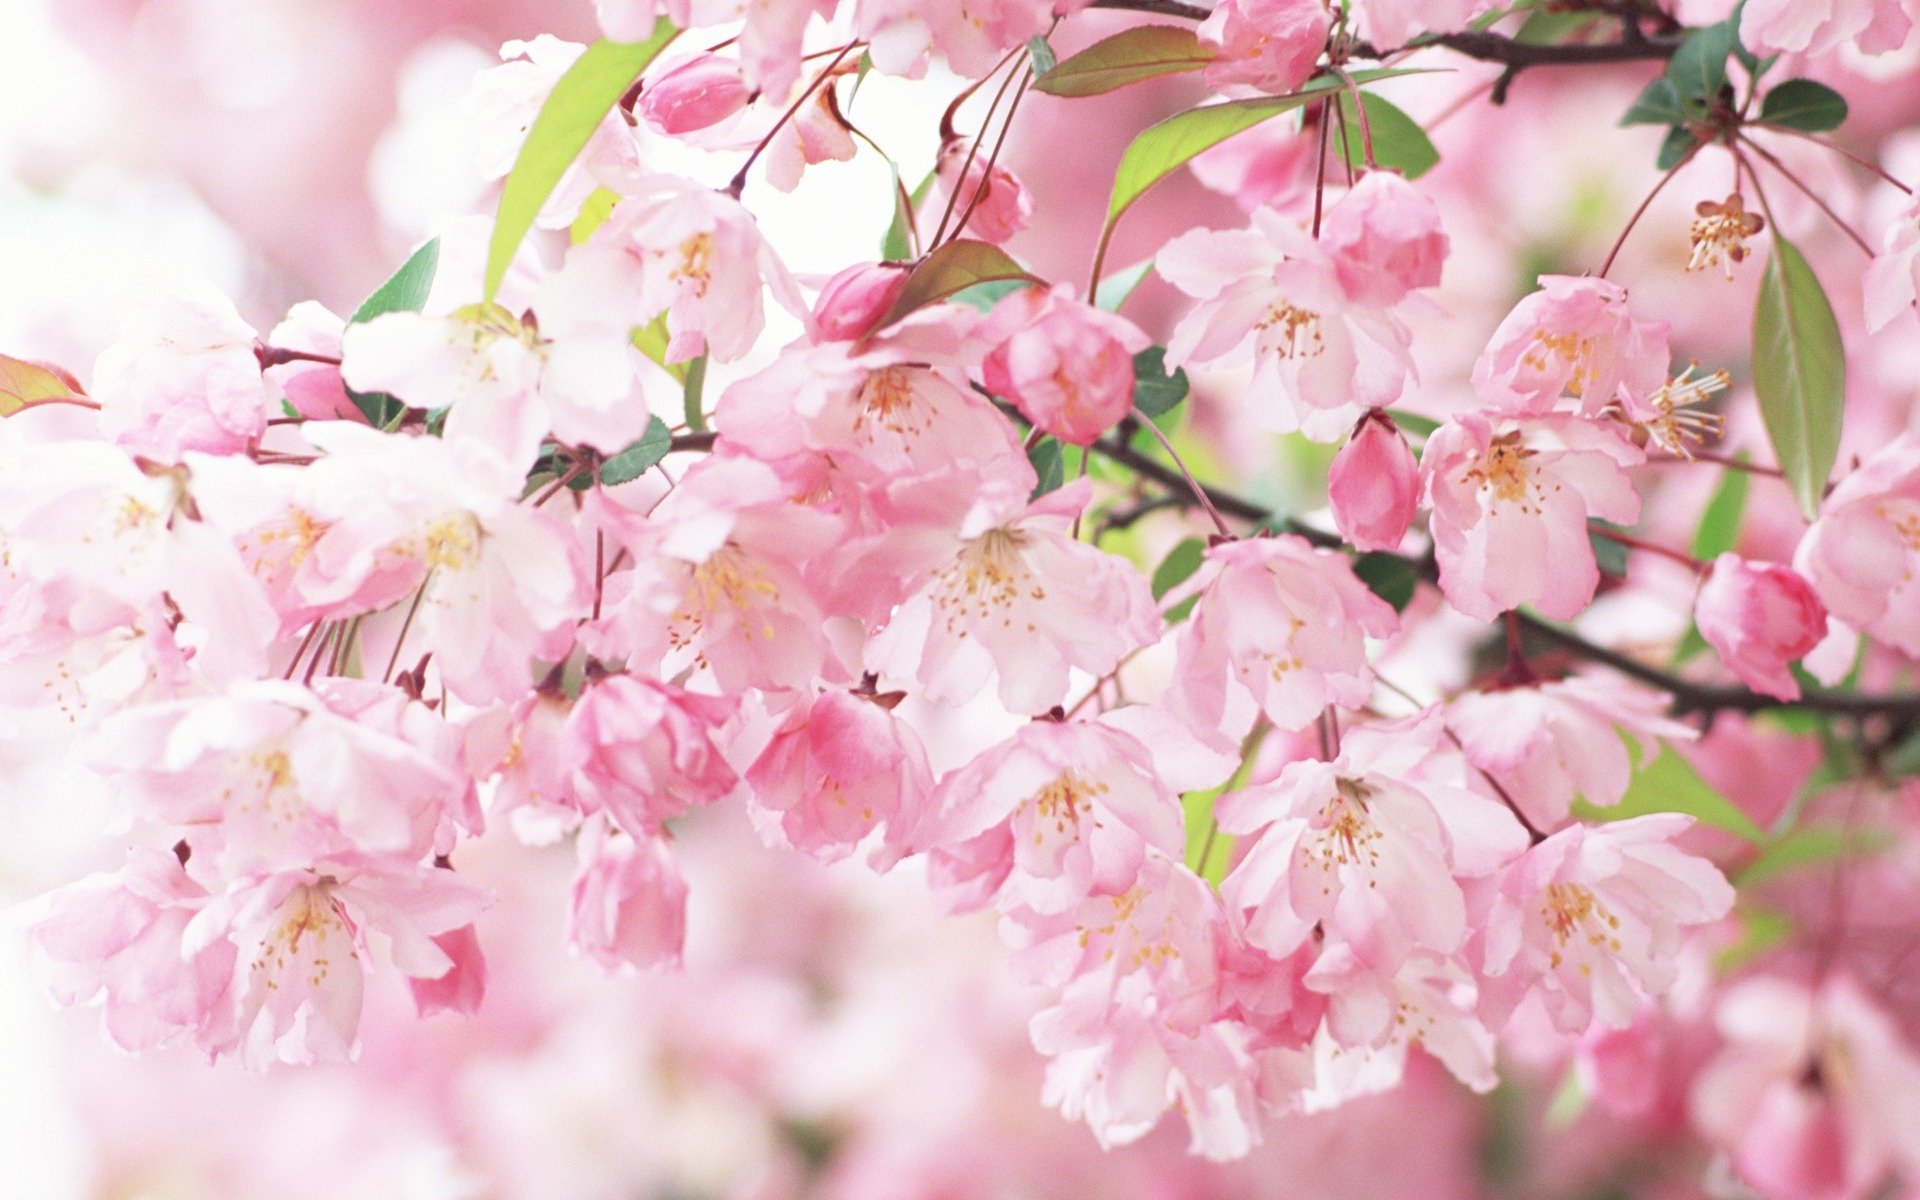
(816,133)
(1373,485)
(1592,919)
(989,203)
(841,766)
(645,752)
(1013,595)
(770,39)
(1280,628)
(1511,501)
(1388,23)
(1548,744)
(1576,339)
(1824,26)
(1377,1017)
(1386,239)
(1815,1093)
(970,34)
(183,377)
(503,104)
(1268,45)
(629,903)
(1273,295)
(1761,617)
(314,389)
(464,986)
(1067,366)
(1863,555)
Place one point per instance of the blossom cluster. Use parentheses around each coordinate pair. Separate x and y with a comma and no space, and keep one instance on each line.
(636,522)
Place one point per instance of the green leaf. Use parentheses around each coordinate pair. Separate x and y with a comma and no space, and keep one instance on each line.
(1128,57)
(984,296)
(404,291)
(1178,566)
(1678,143)
(1388,576)
(1154,391)
(1804,105)
(897,246)
(1040,51)
(1698,68)
(1719,529)
(1546,28)
(1413,423)
(1658,104)
(1162,149)
(1692,644)
(636,460)
(651,340)
(594,212)
(1809,846)
(1670,784)
(1115,288)
(1399,143)
(1048,465)
(1799,372)
(1609,555)
(23,383)
(954,267)
(585,94)
(1760,931)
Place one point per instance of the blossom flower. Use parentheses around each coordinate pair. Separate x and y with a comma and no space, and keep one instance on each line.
(694,93)
(1824,26)
(1511,501)
(1861,555)
(1013,595)
(841,766)
(1591,919)
(629,904)
(1396,22)
(1427,1002)
(988,201)
(970,34)
(1385,238)
(314,389)
(184,377)
(1280,628)
(1270,45)
(1547,744)
(1367,847)
(503,103)
(1892,280)
(1373,485)
(1760,617)
(1273,294)
(1575,337)
(1067,366)
(852,302)
(645,752)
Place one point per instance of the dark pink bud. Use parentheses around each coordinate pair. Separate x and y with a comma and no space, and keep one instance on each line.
(697,94)
(853,301)
(1374,485)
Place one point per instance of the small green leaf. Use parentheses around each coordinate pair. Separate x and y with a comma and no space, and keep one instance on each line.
(1698,68)
(1609,555)
(23,383)
(954,267)
(1804,105)
(1115,288)
(1670,784)
(1399,143)
(573,110)
(404,291)
(636,460)
(984,296)
(1178,566)
(1154,391)
(1658,104)
(1040,51)
(1692,644)
(897,246)
(1799,372)
(1048,465)
(594,212)
(1719,529)
(1388,576)
(1760,931)
(1674,148)
(1413,423)
(1810,845)
(1128,57)
(1546,28)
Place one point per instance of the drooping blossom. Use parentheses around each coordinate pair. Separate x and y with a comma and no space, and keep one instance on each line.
(1761,617)
(695,93)
(1591,920)
(1280,629)
(183,377)
(970,35)
(1374,1017)
(629,904)
(986,202)
(1268,45)
(1511,501)
(1863,555)
(1574,339)
(1373,485)
(1067,366)
(853,301)
(1386,239)
(644,752)
(1547,744)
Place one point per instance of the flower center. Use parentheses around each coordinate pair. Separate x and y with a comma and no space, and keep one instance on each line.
(1290,331)
(1571,910)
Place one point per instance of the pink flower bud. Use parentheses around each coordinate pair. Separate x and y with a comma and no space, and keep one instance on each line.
(696,94)
(853,301)
(1374,484)
(1760,617)
(1000,204)
(1386,240)
(1067,366)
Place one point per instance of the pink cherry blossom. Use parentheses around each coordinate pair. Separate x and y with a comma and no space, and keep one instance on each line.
(852,302)
(184,377)
(1067,366)
(1373,485)
(1547,744)
(1511,501)
(1574,338)
(645,752)
(1892,280)
(1386,239)
(1396,22)
(314,389)
(1269,45)
(1591,920)
(503,103)
(840,767)
(629,904)
(970,34)
(1824,26)
(464,986)
(1280,629)
(1760,617)
(1427,1002)
(1861,555)
(695,93)
(988,202)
